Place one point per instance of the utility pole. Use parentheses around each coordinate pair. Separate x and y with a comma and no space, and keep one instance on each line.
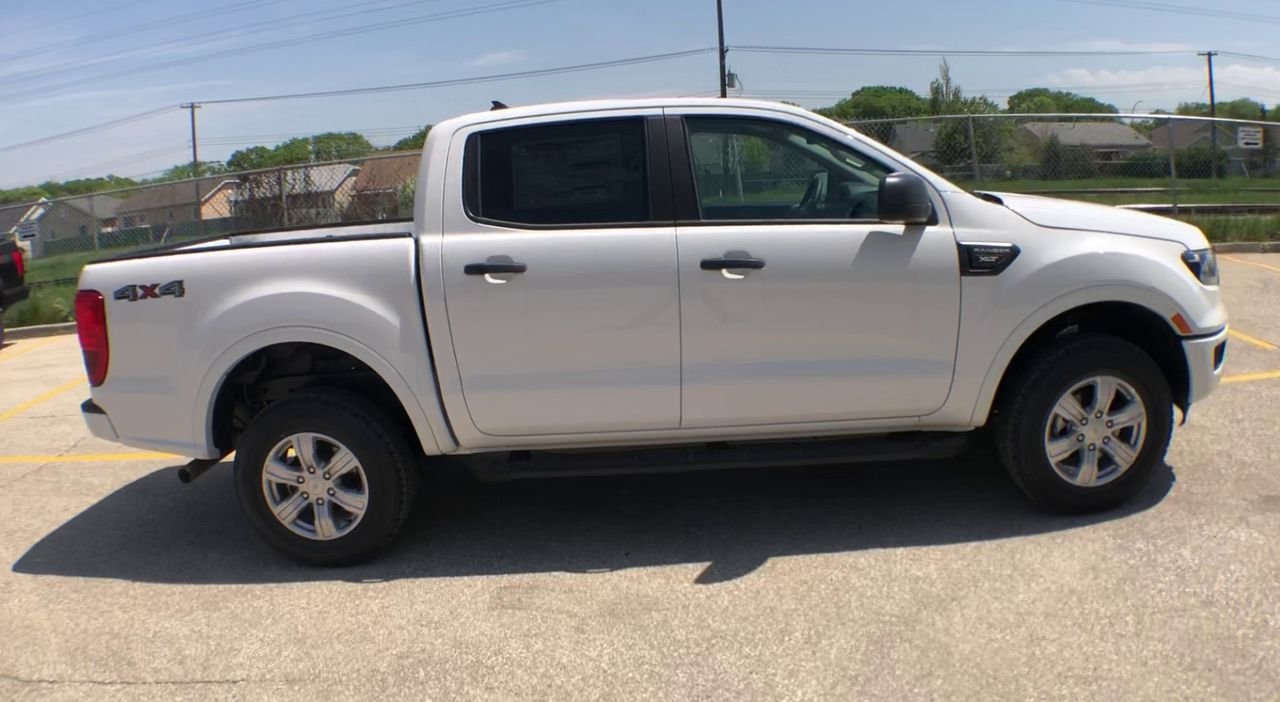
(724,76)
(1213,114)
(195,158)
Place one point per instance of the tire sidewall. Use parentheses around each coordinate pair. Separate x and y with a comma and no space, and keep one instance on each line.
(380,464)
(1038,476)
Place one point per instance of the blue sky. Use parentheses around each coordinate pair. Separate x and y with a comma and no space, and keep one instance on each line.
(90,61)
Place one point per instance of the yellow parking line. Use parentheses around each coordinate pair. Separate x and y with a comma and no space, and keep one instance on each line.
(26,348)
(1236,334)
(89,457)
(1250,377)
(10,413)
(1233,259)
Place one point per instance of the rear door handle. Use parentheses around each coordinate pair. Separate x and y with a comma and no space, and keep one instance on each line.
(721,264)
(494,268)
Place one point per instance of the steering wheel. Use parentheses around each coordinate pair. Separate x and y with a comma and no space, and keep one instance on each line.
(815,195)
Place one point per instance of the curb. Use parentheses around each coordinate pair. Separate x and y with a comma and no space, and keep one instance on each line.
(39,330)
(1248,247)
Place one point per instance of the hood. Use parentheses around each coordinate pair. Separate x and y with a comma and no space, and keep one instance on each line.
(1086,216)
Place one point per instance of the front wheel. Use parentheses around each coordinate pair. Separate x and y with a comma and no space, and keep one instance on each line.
(1084,426)
(325,477)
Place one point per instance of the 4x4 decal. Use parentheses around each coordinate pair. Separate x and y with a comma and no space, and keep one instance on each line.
(154,291)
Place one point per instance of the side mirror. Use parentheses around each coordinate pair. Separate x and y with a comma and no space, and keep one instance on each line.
(904,199)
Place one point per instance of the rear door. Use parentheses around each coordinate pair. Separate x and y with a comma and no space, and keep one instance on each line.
(560,277)
(797,303)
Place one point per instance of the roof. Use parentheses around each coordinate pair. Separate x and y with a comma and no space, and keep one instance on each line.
(912,139)
(10,215)
(381,174)
(1091,134)
(101,206)
(180,194)
(296,181)
(655,104)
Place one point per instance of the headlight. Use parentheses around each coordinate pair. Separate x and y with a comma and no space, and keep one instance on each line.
(1203,264)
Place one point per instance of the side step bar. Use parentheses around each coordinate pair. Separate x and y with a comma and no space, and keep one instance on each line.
(712,456)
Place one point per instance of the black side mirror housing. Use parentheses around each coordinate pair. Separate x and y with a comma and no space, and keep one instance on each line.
(904,199)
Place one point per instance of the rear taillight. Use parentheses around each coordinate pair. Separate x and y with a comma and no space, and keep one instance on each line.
(91,323)
(18,263)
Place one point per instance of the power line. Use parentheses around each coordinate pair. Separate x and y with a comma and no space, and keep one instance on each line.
(468,81)
(1180,10)
(1255,57)
(240,51)
(92,128)
(273,26)
(813,50)
(146,26)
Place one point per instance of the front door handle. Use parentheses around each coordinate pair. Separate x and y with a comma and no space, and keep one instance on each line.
(721,264)
(494,268)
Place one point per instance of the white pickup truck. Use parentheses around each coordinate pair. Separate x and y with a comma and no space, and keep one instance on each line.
(643,285)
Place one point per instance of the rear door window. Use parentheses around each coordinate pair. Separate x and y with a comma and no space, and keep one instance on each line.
(566,174)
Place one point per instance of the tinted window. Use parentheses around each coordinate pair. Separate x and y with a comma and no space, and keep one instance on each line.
(748,169)
(590,172)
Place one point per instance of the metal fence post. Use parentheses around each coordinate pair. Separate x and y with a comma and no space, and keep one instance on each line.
(93,219)
(284,200)
(1173,166)
(973,152)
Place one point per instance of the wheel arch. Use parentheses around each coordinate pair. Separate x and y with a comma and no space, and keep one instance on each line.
(1140,316)
(214,407)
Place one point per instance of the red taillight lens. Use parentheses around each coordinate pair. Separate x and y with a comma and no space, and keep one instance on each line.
(18,263)
(91,323)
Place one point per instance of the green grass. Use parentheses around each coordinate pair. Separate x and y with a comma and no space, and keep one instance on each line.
(59,267)
(46,305)
(1202,191)
(1223,228)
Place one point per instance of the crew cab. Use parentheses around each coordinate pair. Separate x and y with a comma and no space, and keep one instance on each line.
(643,285)
(13,271)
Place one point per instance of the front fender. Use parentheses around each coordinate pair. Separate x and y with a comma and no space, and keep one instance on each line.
(1160,304)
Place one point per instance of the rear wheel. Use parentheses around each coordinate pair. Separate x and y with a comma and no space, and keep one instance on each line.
(325,477)
(1084,427)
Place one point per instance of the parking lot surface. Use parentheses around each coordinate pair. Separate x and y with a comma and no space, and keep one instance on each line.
(916,580)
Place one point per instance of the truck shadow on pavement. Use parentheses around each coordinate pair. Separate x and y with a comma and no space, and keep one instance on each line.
(156,530)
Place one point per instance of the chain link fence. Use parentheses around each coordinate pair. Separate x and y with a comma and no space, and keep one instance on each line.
(375,188)
(1164,163)
(1167,164)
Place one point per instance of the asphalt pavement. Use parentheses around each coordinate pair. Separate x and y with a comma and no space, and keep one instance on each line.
(905,581)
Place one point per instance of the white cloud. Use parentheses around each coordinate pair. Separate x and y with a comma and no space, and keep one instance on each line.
(1234,80)
(498,58)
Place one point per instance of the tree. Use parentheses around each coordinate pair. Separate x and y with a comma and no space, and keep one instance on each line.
(1043,100)
(952,144)
(250,159)
(330,146)
(1244,108)
(413,142)
(874,102)
(182,171)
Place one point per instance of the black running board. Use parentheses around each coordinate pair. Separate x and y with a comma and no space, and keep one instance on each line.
(712,456)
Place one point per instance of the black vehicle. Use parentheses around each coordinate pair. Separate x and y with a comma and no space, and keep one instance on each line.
(13,273)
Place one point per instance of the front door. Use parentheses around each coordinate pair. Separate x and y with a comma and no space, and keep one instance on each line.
(560,282)
(797,305)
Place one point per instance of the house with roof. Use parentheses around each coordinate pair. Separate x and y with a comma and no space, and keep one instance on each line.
(1106,141)
(294,196)
(1187,134)
(384,188)
(175,204)
(10,217)
(67,225)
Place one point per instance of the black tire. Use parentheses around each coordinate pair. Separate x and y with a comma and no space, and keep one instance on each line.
(379,444)
(1033,390)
